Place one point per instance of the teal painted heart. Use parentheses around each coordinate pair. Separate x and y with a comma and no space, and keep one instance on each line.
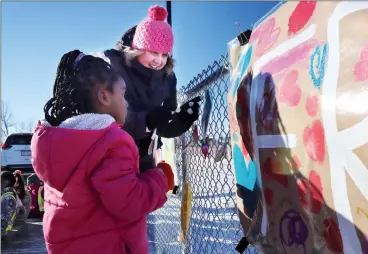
(244,60)
(246,176)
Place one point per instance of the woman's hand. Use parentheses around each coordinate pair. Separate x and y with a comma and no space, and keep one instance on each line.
(157,116)
(189,112)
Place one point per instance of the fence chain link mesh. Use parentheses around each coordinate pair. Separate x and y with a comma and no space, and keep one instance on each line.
(214,224)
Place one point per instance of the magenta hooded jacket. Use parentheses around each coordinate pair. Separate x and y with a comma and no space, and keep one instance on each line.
(96,201)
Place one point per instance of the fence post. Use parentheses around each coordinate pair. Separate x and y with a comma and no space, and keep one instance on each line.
(168,8)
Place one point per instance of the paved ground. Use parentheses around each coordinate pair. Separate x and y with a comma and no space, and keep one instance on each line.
(27,238)
(163,228)
(209,232)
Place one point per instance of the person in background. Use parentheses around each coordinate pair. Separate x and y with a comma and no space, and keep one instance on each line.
(36,189)
(8,202)
(144,59)
(96,200)
(24,196)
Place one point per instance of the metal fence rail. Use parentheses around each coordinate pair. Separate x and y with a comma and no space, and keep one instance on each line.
(214,224)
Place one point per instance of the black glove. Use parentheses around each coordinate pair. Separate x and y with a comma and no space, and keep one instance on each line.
(189,112)
(157,116)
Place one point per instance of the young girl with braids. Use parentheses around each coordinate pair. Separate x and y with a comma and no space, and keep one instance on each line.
(96,201)
(143,58)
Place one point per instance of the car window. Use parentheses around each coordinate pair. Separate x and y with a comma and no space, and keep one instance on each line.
(19,140)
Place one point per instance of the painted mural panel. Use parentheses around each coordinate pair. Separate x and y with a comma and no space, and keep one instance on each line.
(298,110)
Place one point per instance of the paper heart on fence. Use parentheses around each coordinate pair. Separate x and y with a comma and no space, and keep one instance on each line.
(361,67)
(204,150)
(221,152)
(314,141)
(195,135)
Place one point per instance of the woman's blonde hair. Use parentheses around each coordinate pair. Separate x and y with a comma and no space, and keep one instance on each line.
(132,53)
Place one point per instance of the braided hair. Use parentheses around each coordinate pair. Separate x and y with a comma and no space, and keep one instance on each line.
(75,86)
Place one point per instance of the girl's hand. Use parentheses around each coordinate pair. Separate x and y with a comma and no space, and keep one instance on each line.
(167,171)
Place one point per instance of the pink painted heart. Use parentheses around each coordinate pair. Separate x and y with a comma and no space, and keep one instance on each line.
(361,67)
(290,92)
(312,105)
(314,141)
(268,35)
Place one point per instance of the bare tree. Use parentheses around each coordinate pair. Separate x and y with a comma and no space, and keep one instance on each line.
(6,119)
(25,127)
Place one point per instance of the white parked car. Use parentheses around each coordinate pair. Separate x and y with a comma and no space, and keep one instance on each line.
(16,152)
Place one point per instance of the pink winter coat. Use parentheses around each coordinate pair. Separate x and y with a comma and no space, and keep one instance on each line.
(96,201)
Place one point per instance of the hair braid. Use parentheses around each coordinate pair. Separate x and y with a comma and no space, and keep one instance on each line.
(74,86)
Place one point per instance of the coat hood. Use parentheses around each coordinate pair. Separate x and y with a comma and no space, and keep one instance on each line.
(57,151)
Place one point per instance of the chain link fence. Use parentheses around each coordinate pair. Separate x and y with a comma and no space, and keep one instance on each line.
(214,224)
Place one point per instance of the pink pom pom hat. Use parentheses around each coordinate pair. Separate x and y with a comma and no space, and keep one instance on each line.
(153,33)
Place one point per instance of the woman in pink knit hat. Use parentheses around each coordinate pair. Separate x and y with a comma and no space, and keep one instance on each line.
(143,59)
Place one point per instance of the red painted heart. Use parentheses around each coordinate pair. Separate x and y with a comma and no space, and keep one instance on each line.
(332,236)
(300,16)
(311,193)
(314,141)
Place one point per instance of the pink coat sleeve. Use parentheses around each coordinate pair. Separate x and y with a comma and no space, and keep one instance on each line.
(124,192)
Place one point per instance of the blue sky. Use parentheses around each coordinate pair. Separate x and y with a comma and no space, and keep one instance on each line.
(36,34)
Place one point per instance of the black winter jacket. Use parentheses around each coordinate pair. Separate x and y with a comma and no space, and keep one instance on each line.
(146,89)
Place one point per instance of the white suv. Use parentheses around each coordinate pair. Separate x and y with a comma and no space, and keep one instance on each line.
(16,152)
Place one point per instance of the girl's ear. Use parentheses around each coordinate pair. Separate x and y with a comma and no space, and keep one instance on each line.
(103,96)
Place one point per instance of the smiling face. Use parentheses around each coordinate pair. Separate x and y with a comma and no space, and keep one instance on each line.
(152,60)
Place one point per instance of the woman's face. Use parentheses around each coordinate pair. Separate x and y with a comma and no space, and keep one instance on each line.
(153,60)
